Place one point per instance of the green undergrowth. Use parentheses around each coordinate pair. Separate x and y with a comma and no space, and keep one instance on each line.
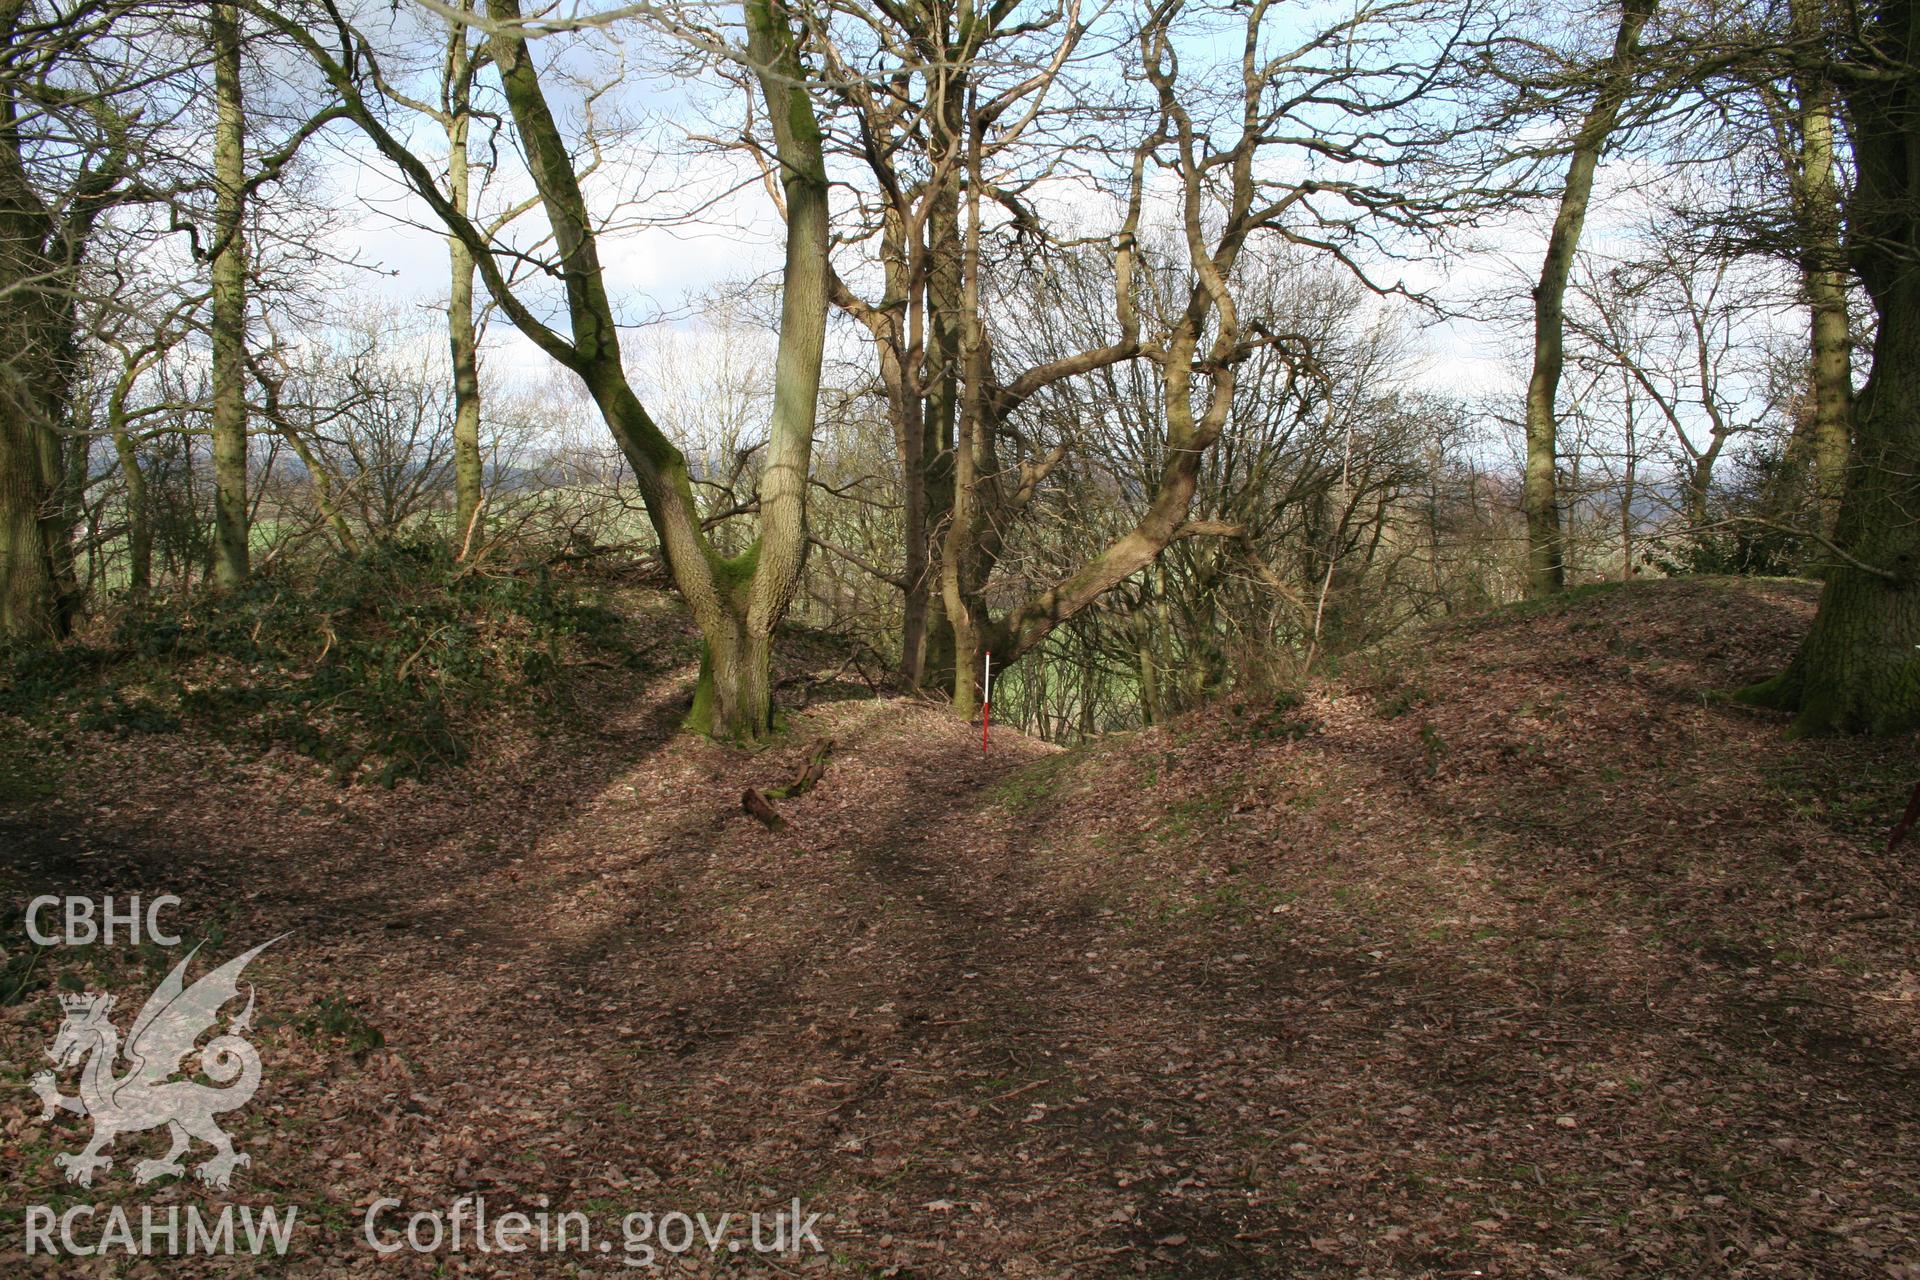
(1029,788)
(1849,788)
(29,970)
(1570,600)
(1283,717)
(378,666)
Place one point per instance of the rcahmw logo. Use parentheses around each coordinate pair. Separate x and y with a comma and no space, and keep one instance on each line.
(154,1230)
(145,1095)
(156,1080)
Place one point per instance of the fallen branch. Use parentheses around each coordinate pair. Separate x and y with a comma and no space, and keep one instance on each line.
(759,804)
(810,773)
(756,804)
(1906,822)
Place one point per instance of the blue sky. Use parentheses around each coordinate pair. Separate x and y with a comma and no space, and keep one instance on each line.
(658,273)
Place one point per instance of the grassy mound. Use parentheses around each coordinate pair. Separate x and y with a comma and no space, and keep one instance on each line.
(376,666)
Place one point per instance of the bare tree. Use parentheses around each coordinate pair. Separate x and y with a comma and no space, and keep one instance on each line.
(70,141)
(456,114)
(1682,327)
(1220,135)
(736,601)
(229,301)
(1859,667)
(907,84)
(1614,81)
(1807,143)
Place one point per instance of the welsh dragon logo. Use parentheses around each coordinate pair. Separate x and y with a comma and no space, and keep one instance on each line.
(146,1095)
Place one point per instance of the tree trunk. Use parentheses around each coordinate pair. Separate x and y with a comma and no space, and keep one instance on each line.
(1143,644)
(1629,487)
(1832,391)
(939,464)
(917,565)
(782,544)
(462,338)
(30,606)
(964,561)
(737,602)
(36,598)
(1823,266)
(1546,547)
(750,593)
(1859,667)
(1699,491)
(733,696)
(139,520)
(718,693)
(36,354)
(229,305)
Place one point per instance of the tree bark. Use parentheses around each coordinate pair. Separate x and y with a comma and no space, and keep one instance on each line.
(1832,344)
(1629,485)
(30,599)
(939,479)
(1823,266)
(782,544)
(1859,667)
(736,602)
(1143,644)
(39,252)
(35,601)
(139,513)
(1546,549)
(965,562)
(229,304)
(139,520)
(462,337)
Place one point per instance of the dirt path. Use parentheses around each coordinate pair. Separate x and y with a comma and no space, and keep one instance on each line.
(595,982)
(1532,975)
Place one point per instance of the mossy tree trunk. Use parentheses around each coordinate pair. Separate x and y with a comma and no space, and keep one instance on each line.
(736,602)
(1546,548)
(36,598)
(1815,191)
(229,304)
(139,520)
(42,240)
(32,604)
(779,553)
(139,505)
(733,697)
(1859,667)
(462,337)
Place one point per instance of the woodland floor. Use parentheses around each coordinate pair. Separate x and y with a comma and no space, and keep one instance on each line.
(1515,955)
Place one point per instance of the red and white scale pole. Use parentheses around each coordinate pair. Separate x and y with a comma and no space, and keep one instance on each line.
(986,698)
